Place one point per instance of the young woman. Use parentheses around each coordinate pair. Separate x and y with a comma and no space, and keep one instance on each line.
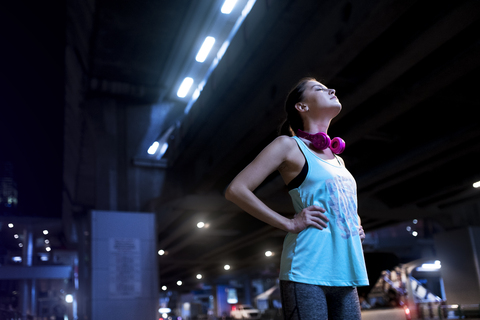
(322,260)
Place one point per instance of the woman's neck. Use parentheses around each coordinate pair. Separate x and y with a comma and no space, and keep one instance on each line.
(317,126)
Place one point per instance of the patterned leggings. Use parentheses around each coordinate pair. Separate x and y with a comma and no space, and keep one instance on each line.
(302,301)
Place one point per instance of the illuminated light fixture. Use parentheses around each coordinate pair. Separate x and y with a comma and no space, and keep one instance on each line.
(161,252)
(20,245)
(164,288)
(196,94)
(153,148)
(430,266)
(415,221)
(414,233)
(164,310)
(45,232)
(200,225)
(199,276)
(17,259)
(47,241)
(184,87)
(48,249)
(226,267)
(10,225)
(205,49)
(44,257)
(68,298)
(409,228)
(179,283)
(222,50)
(476,184)
(228,6)
(16,236)
(268,253)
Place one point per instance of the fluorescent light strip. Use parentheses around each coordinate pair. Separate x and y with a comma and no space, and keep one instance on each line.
(184,87)
(205,49)
(228,6)
(476,184)
(224,47)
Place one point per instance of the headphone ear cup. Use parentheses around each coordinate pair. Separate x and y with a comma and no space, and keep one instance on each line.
(337,145)
(320,141)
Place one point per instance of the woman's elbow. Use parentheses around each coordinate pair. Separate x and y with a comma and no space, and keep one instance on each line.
(230,192)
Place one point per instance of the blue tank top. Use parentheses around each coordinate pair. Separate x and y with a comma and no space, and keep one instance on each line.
(332,256)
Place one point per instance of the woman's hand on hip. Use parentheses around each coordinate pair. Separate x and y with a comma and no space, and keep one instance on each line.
(361,233)
(310,216)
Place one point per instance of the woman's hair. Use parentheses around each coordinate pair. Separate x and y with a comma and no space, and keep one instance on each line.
(293,120)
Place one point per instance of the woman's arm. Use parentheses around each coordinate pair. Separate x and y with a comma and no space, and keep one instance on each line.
(240,191)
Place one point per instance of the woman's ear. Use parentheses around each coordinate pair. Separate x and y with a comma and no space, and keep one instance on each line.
(301,107)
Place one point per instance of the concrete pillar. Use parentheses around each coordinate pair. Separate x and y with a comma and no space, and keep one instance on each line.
(459,251)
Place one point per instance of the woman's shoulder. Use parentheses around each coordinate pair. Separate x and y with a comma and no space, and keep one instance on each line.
(284,145)
(284,141)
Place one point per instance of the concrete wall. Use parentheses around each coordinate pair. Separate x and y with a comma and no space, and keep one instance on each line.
(124,269)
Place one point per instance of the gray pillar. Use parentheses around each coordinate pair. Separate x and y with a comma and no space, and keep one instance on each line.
(459,251)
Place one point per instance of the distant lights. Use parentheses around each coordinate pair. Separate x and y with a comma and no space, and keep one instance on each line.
(164,288)
(268,253)
(226,267)
(16,236)
(161,252)
(179,283)
(10,225)
(185,87)
(228,6)
(48,249)
(430,266)
(199,276)
(200,225)
(45,232)
(20,245)
(476,185)
(205,49)
(68,298)
(414,233)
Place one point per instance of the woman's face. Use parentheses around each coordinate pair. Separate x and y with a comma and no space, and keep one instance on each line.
(318,96)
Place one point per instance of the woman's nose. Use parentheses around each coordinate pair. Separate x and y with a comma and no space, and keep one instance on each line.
(331,91)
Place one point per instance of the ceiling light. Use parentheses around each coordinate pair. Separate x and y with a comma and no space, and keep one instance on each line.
(199,276)
(48,249)
(161,252)
(205,49)
(45,232)
(184,87)
(200,225)
(153,148)
(226,267)
(476,184)
(414,233)
(10,225)
(68,298)
(179,283)
(228,6)
(268,253)
(164,288)
(16,236)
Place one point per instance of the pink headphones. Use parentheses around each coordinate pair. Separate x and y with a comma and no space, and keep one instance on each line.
(321,141)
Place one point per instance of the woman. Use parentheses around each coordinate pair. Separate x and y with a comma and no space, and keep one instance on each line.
(322,260)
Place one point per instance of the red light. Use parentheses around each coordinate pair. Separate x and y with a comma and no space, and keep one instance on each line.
(234,308)
(407,311)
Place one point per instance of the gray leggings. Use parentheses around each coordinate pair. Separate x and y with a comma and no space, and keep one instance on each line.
(301,301)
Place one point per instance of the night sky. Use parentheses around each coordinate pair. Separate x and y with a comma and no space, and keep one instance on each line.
(32,35)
